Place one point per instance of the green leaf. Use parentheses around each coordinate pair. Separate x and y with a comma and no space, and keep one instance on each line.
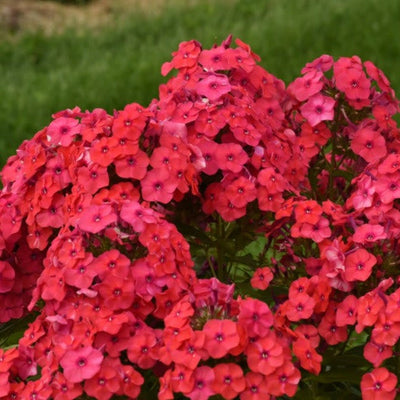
(12,331)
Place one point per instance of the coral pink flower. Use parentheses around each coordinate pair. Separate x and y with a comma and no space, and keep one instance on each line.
(221,337)
(203,379)
(255,317)
(369,144)
(265,354)
(97,217)
(261,278)
(380,384)
(359,265)
(318,108)
(158,185)
(368,233)
(81,364)
(256,387)
(306,86)
(229,380)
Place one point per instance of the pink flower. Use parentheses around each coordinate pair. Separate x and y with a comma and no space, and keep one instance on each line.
(214,86)
(62,131)
(81,364)
(96,217)
(318,108)
(367,233)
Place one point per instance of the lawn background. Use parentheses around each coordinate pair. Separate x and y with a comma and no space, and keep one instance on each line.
(120,63)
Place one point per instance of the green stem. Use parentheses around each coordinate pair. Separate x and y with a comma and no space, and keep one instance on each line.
(220,249)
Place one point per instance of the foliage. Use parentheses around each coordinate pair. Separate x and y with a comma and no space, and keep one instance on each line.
(234,239)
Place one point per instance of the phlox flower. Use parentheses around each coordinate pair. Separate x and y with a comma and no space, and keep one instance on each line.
(221,337)
(92,177)
(390,164)
(137,215)
(265,354)
(386,330)
(309,332)
(158,185)
(309,359)
(214,59)
(388,187)
(62,130)
(359,265)
(299,307)
(214,86)
(81,364)
(379,384)
(284,380)
(118,293)
(255,317)
(323,63)
(369,144)
(352,81)
(318,108)
(229,380)
(261,278)
(106,382)
(330,331)
(256,387)
(346,313)
(130,382)
(306,86)
(132,165)
(377,353)
(63,389)
(369,233)
(241,191)
(231,157)
(142,348)
(369,307)
(203,379)
(185,57)
(96,217)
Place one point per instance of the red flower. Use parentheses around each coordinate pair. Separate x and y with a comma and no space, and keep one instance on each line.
(221,337)
(256,387)
(369,144)
(261,278)
(380,384)
(229,380)
(308,357)
(359,265)
(284,380)
(231,157)
(265,355)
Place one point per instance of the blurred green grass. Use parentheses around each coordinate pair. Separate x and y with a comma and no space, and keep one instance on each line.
(120,64)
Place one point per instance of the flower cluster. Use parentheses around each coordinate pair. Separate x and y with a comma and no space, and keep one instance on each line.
(236,238)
